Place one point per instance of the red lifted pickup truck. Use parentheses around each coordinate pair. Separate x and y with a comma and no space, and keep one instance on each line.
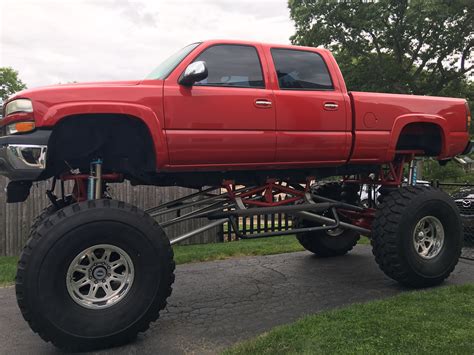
(254,121)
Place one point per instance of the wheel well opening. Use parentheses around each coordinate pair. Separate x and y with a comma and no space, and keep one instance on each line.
(421,136)
(123,142)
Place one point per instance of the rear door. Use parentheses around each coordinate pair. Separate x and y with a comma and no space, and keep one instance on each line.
(312,122)
(225,119)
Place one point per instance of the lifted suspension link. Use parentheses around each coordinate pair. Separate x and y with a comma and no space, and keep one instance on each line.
(322,219)
(389,175)
(335,225)
(267,192)
(316,207)
(80,188)
(307,209)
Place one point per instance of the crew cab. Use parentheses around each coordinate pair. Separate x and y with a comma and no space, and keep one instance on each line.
(219,109)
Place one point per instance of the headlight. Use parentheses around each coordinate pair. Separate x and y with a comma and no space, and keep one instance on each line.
(20,127)
(18,105)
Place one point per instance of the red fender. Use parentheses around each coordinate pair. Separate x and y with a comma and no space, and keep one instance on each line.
(403,120)
(145,114)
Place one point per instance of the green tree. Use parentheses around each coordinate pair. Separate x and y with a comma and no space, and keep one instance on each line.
(401,46)
(10,83)
(452,172)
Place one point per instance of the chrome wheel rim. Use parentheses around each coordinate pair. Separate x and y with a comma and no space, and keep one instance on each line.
(100,276)
(428,237)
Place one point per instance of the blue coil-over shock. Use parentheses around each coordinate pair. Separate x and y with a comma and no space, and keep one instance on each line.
(94,182)
(412,174)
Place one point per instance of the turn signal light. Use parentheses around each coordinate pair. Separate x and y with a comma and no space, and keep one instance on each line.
(20,127)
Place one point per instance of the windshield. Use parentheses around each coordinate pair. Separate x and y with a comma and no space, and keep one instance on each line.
(166,67)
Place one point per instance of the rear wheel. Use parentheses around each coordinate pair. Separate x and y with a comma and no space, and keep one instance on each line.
(417,236)
(332,242)
(94,274)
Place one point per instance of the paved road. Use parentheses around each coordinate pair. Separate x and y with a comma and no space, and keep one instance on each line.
(216,304)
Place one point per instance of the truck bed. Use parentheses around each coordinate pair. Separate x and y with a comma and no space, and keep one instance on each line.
(379,119)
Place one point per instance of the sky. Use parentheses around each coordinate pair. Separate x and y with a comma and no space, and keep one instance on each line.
(60,41)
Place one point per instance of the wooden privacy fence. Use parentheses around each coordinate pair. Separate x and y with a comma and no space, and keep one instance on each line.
(16,218)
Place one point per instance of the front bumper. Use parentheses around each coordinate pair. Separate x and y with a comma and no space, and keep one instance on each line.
(23,157)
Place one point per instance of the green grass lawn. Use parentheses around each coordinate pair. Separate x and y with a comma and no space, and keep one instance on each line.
(219,251)
(436,321)
(199,252)
(7,269)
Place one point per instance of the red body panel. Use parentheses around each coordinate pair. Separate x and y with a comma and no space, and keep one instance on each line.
(221,128)
(144,102)
(306,131)
(208,125)
(379,119)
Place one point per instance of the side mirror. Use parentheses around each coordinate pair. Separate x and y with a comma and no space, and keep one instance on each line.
(194,72)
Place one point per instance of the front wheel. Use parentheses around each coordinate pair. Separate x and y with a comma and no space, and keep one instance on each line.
(417,236)
(94,274)
(50,210)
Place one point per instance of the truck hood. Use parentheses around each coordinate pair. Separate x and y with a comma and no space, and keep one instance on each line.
(31,93)
(48,100)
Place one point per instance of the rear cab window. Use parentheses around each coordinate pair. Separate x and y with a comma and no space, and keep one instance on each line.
(232,65)
(301,70)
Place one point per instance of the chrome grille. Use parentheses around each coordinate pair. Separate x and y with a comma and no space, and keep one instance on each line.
(466,207)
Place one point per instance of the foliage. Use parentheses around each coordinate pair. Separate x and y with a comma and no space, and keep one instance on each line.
(437,321)
(400,46)
(10,83)
(451,172)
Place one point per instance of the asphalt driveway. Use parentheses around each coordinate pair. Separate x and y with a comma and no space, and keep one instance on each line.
(216,304)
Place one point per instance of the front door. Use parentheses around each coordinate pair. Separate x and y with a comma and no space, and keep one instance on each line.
(225,119)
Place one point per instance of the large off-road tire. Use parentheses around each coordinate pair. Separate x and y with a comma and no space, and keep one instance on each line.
(48,211)
(417,236)
(94,274)
(335,242)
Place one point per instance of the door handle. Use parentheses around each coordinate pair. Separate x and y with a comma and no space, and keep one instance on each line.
(263,103)
(331,106)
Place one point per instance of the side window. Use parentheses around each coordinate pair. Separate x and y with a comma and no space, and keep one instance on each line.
(232,65)
(301,70)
